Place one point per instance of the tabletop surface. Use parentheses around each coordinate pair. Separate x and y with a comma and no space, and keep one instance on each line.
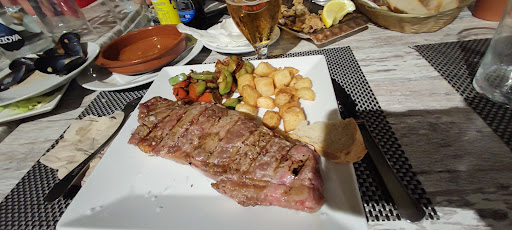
(462,164)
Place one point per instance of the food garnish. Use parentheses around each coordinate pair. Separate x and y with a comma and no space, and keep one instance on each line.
(26,105)
(299,18)
(335,10)
(209,86)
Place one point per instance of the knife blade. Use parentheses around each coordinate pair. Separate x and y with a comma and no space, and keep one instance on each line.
(63,185)
(408,207)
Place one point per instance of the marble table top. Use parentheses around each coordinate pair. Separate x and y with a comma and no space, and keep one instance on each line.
(462,164)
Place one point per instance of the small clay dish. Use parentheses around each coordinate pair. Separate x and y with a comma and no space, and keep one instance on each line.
(143,50)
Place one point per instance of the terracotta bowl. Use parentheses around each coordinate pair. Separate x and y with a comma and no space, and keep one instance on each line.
(143,50)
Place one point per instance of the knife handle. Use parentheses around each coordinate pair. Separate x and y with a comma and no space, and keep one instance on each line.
(408,206)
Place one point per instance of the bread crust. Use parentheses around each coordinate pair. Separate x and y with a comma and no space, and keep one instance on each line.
(339,141)
(408,7)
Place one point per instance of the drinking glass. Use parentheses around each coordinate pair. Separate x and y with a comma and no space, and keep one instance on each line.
(494,75)
(60,16)
(256,19)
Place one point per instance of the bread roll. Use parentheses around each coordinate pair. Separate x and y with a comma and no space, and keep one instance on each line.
(449,4)
(339,141)
(408,7)
(436,6)
(433,6)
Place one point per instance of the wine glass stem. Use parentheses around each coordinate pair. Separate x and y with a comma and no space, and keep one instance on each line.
(262,52)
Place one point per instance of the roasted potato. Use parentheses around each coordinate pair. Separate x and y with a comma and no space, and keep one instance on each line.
(286,90)
(305,93)
(281,78)
(264,85)
(294,80)
(283,97)
(292,70)
(265,102)
(292,117)
(264,69)
(271,119)
(247,109)
(246,79)
(303,83)
(294,102)
(250,95)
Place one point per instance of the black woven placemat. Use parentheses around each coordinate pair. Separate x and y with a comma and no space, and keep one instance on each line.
(24,208)
(457,62)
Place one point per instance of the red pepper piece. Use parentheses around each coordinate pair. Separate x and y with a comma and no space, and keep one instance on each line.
(181,93)
(192,92)
(182,84)
(206,97)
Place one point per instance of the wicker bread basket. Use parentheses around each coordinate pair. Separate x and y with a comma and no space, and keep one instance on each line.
(408,23)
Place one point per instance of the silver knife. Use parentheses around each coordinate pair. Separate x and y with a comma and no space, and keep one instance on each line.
(63,185)
(408,207)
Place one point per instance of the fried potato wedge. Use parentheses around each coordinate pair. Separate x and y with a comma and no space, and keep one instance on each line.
(271,119)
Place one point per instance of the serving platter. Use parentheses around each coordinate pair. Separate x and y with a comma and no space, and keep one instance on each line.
(40,83)
(349,25)
(130,190)
(102,79)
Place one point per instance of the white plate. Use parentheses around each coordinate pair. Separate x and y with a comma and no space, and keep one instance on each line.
(105,80)
(239,49)
(45,108)
(40,83)
(131,190)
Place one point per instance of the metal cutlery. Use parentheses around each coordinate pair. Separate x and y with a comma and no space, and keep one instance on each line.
(63,185)
(408,207)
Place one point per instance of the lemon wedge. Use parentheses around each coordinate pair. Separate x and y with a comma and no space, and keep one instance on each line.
(335,10)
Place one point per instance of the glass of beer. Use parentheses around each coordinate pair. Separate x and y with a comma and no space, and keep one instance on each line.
(256,19)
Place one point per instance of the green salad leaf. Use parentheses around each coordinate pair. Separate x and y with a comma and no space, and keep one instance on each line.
(26,105)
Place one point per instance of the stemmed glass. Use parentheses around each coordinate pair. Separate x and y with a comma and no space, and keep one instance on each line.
(256,19)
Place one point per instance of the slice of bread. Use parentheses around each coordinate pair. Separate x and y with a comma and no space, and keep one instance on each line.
(449,4)
(433,6)
(408,7)
(339,141)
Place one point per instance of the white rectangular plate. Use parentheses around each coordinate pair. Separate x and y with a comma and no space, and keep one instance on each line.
(130,190)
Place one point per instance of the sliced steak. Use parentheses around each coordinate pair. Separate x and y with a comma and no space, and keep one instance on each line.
(250,163)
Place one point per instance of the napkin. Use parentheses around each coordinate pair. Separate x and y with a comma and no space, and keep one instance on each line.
(224,34)
(81,139)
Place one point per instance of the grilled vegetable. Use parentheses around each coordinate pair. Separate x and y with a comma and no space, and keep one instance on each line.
(225,85)
(178,78)
(203,75)
(233,62)
(206,97)
(231,103)
(196,89)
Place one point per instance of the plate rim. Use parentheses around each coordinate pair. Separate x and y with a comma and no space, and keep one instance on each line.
(240,50)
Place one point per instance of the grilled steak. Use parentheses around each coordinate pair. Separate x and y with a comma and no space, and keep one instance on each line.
(250,163)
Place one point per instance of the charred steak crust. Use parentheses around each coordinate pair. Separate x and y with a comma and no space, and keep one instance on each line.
(249,163)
